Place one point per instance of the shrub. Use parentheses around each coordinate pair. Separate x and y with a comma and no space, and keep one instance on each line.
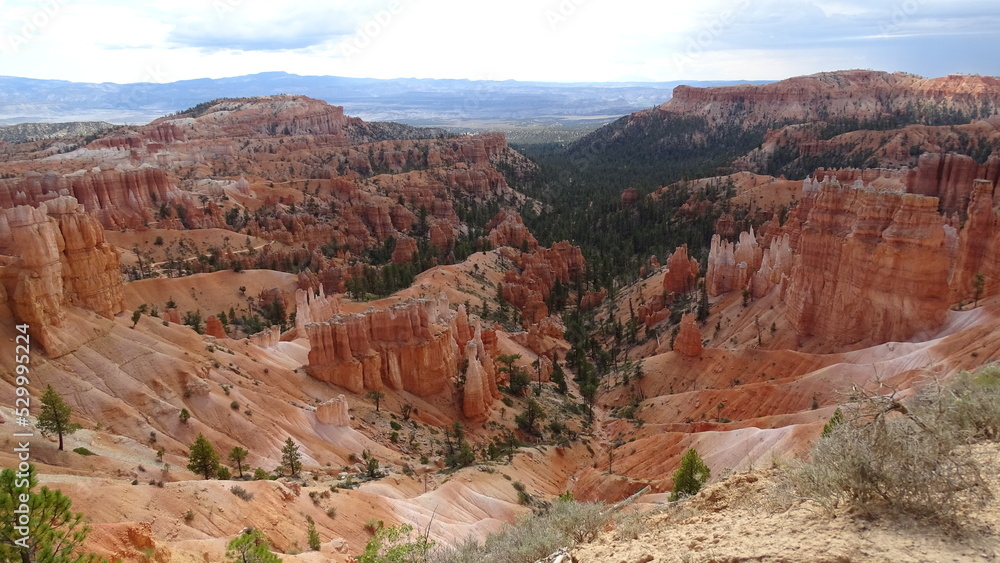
(223,473)
(189,515)
(261,474)
(331,512)
(690,476)
(241,492)
(395,544)
(373,526)
(234,405)
(523,496)
(312,536)
(887,458)
(533,537)
(395,425)
(83,451)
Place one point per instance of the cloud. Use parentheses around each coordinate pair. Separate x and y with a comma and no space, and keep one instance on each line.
(263,26)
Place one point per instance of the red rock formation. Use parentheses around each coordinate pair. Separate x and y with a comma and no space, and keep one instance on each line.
(119,199)
(334,412)
(406,247)
(871,266)
(592,299)
(682,272)
(213,327)
(267,338)
(407,346)
(58,257)
(527,290)
(950,178)
(480,390)
(629,197)
(857,94)
(312,308)
(730,266)
(688,341)
(978,246)
(507,229)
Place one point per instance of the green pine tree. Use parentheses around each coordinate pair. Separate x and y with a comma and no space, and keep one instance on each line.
(55,416)
(250,547)
(54,532)
(291,458)
(690,476)
(203,459)
(238,455)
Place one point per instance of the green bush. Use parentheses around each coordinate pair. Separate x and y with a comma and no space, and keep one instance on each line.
(690,476)
(396,544)
(83,451)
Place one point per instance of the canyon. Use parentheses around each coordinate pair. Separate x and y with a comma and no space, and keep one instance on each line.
(378,291)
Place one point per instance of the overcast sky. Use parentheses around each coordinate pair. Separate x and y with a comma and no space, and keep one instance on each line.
(553,40)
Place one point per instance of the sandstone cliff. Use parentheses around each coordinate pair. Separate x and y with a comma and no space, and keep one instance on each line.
(855,263)
(854,94)
(56,256)
(407,346)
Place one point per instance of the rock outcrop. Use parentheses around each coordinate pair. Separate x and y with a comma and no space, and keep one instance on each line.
(313,307)
(507,229)
(407,346)
(57,256)
(871,266)
(859,264)
(688,341)
(480,390)
(529,287)
(950,177)
(682,272)
(730,266)
(854,94)
(334,412)
(119,199)
(213,327)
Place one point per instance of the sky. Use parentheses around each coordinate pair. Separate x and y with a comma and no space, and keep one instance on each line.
(549,40)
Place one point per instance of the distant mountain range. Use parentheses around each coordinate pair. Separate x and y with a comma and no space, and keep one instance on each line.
(407,100)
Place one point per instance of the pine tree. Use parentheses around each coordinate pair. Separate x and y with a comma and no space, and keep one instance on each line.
(55,416)
(237,455)
(203,459)
(690,476)
(312,534)
(376,397)
(250,547)
(54,532)
(291,458)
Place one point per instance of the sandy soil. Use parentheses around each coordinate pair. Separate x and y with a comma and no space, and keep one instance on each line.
(755,516)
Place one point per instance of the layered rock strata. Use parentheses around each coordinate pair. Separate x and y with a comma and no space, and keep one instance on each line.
(55,256)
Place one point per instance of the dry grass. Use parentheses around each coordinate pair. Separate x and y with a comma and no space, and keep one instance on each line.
(888,458)
(532,538)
